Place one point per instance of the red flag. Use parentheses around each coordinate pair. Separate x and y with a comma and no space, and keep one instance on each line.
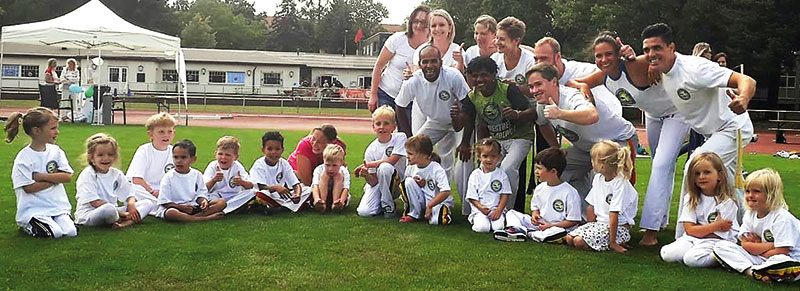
(359,36)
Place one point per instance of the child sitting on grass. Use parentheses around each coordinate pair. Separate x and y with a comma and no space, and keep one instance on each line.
(384,161)
(426,189)
(278,187)
(184,196)
(154,159)
(488,188)
(555,205)
(331,181)
(100,186)
(227,178)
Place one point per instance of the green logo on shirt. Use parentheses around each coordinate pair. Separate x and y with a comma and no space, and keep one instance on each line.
(768,236)
(52,166)
(684,94)
(624,97)
(444,95)
(608,198)
(231,183)
(496,185)
(558,205)
(712,216)
(389,150)
(491,110)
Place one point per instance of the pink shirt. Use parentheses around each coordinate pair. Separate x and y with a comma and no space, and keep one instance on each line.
(304,148)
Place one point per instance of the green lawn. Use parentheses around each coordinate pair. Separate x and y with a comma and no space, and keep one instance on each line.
(309,250)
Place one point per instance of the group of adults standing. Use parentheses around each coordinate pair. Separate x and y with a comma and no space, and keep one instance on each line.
(70,75)
(523,96)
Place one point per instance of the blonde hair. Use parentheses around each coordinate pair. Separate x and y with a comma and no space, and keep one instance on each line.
(384,111)
(772,185)
(514,27)
(51,61)
(91,146)
(552,42)
(228,143)
(612,154)
(34,117)
(488,21)
(700,48)
(490,143)
(160,119)
(444,14)
(333,152)
(724,189)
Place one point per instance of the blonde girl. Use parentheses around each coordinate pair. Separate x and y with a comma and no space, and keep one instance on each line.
(708,216)
(39,172)
(100,186)
(612,201)
(425,189)
(769,248)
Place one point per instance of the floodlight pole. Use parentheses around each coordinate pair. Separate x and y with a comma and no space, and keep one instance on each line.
(344,53)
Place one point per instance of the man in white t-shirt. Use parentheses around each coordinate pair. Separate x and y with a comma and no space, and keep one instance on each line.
(698,88)
(435,89)
(577,120)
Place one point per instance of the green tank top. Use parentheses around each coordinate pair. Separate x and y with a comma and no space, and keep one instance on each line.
(490,109)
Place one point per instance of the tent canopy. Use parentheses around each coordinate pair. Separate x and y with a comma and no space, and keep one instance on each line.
(91,26)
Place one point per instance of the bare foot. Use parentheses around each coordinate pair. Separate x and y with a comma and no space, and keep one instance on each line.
(338,205)
(122,223)
(217,215)
(319,205)
(649,239)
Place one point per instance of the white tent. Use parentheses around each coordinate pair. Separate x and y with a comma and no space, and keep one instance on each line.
(94,26)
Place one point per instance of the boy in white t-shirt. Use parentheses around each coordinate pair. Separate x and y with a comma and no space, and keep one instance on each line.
(278,186)
(227,178)
(330,183)
(184,196)
(152,160)
(555,205)
(384,161)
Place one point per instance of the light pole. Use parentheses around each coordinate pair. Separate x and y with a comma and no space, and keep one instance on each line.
(344,53)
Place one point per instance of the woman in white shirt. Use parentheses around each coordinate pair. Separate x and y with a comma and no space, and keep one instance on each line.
(69,76)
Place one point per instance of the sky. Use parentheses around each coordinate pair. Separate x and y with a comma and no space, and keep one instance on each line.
(398,9)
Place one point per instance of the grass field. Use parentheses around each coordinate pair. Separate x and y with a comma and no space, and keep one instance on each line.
(311,251)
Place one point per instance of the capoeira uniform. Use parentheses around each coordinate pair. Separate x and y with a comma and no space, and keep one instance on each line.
(435,99)
(234,195)
(574,70)
(779,227)
(379,198)
(555,204)
(617,195)
(418,117)
(694,251)
(182,189)
(44,213)
(487,189)
(515,75)
(416,198)
(282,174)
(320,170)
(149,164)
(696,87)
(111,188)
(609,126)
(666,129)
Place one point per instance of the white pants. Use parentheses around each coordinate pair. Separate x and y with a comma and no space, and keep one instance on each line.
(665,136)
(739,259)
(445,139)
(483,223)
(141,195)
(234,200)
(723,143)
(416,200)
(579,173)
(378,199)
(462,172)
(287,202)
(417,118)
(108,213)
(692,251)
(51,226)
(77,103)
(514,151)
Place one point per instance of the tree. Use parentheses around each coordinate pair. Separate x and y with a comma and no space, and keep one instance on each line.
(232,30)
(343,18)
(198,33)
(288,30)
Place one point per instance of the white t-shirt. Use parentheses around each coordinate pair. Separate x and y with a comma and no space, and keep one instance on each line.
(51,201)
(652,100)
(182,188)
(279,174)
(225,186)
(617,195)
(392,76)
(517,73)
(486,188)
(396,146)
(574,70)
(320,170)
(779,227)
(435,177)
(556,203)
(150,164)
(110,187)
(471,53)
(696,87)
(609,126)
(708,210)
(434,98)
(447,57)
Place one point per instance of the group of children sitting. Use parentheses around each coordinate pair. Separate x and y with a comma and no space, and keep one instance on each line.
(161,181)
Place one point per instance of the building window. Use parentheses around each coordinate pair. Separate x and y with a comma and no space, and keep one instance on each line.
(365,82)
(272,79)
(192,76)
(235,77)
(788,81)
(118,74)
(168,75)
(21,71)
(226,77)
(10,70)
(216,77)
(140,77)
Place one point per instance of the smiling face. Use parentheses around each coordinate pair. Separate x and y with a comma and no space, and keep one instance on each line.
(272,150)
(318,142)
(47,133)
(431,63)
(419,23)
(723,62)
(225,157)
(706,177)
(544,54)
(440,29)
(383,125)
(484,81)
(484,37)
(756,198)
(182,160)
(504,43)
(103,157)
(161,136)
(542,89)
(660,54)
(606,58)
